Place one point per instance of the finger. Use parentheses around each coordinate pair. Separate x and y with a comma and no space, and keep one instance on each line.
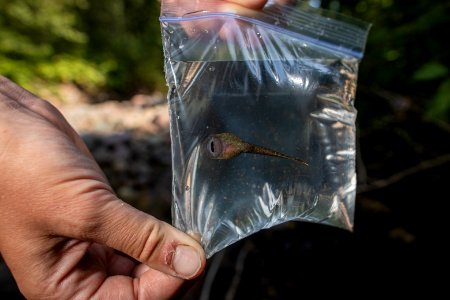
(7,99)
(140,270)
(150,285)
(212,26)
(148,240)
(17,97)
(253,4)
(30,101)
(286,2)
(156,285)
(120,265)
(114,263)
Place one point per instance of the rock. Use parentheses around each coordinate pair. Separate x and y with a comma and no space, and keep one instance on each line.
(114,116)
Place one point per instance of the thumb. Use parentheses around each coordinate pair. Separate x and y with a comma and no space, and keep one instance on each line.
(145,238)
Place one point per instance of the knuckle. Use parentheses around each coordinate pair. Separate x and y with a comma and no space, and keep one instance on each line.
(150,241)
(90,210)
(33,102)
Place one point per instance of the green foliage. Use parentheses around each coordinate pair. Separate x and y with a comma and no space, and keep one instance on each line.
(33,33)
(98,45)
(430,71)
(406,51)
(439,107)
(126,34)
(65,68)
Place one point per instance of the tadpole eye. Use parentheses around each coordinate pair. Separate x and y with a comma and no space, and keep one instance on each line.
(214,147)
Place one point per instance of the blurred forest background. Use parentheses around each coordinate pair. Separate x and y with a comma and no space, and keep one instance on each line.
(91,52)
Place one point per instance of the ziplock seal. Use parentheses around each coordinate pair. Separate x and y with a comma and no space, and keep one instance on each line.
(341,34)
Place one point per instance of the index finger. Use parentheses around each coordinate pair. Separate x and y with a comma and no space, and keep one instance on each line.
(254,4)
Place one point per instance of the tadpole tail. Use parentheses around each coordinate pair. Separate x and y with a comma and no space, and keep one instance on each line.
(266,151)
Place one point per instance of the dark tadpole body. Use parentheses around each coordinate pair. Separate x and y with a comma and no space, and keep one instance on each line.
(227,145)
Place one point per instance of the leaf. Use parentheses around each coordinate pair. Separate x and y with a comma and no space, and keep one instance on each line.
(439,108)
(430,71)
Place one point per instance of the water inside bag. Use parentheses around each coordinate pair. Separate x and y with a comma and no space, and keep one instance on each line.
(302,108)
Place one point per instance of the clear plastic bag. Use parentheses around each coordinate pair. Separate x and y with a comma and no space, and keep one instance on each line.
(262,117)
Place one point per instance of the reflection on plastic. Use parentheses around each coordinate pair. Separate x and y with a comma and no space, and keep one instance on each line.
(262,126)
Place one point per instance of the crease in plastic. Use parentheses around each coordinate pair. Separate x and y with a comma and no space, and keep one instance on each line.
(316,26)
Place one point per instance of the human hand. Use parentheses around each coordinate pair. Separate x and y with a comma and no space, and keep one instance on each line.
(236,6)
(197,27)
(225,28)
(64,234)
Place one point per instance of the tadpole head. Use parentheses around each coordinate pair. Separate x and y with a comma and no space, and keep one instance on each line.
(224,146)
(215,147)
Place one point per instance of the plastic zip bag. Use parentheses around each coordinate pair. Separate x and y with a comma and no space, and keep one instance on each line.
(262,117)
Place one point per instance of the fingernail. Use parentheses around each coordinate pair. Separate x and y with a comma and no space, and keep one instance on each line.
(186,261)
